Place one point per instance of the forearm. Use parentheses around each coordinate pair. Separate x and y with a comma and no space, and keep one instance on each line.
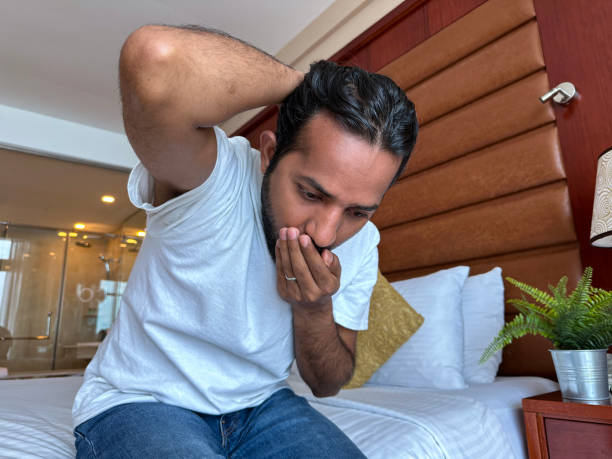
(324,361)
(210,76)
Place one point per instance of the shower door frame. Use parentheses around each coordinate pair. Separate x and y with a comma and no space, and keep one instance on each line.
(62,286)
(60,305)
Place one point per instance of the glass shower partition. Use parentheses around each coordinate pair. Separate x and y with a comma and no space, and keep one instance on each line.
(89,303)
(60,292)
(31,266)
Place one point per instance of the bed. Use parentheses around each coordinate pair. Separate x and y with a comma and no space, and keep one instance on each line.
(385,422)
(486,189)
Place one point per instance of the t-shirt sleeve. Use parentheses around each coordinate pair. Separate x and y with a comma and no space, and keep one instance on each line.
(351,304)
(209,201)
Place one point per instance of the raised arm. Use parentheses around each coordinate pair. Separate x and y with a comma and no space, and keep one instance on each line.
(176,83)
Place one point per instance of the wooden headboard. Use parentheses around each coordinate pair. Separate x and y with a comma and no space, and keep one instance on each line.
(486,185)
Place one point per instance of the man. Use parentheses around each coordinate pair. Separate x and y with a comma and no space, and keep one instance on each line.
(240,270)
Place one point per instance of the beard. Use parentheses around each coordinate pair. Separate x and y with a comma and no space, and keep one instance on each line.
(269,223)
(267,219)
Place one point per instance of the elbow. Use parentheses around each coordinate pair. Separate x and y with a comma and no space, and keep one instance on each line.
(146,61)
(322,389)
(147,45)
(325,392)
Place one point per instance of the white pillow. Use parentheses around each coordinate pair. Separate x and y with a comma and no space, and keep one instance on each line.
(483,318)
(433,356)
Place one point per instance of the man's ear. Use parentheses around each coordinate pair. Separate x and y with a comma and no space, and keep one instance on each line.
(267,147)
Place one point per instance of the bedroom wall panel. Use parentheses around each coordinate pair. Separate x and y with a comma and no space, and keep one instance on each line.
(477,28)
(502,62)
(541,266)
(525,220)
(501,115)
(522,162)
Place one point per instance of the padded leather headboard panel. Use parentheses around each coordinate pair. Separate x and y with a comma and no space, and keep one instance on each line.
(486,184)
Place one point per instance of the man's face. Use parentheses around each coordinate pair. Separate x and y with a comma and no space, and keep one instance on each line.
(328,187)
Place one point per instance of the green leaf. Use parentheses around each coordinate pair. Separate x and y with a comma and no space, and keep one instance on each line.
(518,327)
(537,294)
(525,307)
(581,293)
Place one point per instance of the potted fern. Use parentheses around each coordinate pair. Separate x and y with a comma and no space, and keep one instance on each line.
(578,324)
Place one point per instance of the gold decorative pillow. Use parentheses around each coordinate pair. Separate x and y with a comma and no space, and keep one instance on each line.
(391,322)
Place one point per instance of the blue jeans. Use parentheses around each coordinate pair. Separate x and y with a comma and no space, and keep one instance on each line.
(284,426)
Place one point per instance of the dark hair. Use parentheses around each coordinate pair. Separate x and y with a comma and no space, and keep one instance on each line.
(369,105)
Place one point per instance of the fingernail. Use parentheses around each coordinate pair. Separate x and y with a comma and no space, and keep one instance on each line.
(327,258)
(293,233)
(283,234)
(304,240)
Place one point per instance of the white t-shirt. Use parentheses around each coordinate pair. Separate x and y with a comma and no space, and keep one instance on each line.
(201,324)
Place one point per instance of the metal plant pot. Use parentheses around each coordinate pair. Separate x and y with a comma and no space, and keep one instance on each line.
(582,374)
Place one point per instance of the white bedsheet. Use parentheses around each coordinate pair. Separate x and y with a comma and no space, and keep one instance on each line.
(483,421)
(504,398)
(385,422)
(36,417)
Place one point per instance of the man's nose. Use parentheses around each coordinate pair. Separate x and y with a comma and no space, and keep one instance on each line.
(323,227)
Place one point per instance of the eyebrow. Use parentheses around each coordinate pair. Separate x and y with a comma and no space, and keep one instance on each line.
(317,186)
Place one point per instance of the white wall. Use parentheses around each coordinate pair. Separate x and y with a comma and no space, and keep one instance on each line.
(41,134)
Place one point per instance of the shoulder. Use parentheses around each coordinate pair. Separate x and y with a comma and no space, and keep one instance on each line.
(360,250)
(366,239)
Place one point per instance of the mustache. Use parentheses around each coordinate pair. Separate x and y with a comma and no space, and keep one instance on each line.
(320,249)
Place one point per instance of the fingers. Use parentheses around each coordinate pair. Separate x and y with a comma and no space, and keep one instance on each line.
(281,282)
(317,276)
(333,264)
(299,264)
(320,265)
(289,267)
(284,252)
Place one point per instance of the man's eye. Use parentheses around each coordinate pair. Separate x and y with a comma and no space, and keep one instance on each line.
(308,195)
(358,214)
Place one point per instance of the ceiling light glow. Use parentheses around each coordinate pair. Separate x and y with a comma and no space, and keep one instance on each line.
(108,199)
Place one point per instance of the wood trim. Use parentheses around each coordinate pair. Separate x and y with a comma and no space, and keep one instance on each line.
(531,433)
(552,405)
(539,409)
(385,23)
(440,13)
(542,436)
(258,119)
(574,46)
(388,39)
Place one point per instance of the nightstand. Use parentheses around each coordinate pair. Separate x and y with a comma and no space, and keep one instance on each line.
(557,430)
